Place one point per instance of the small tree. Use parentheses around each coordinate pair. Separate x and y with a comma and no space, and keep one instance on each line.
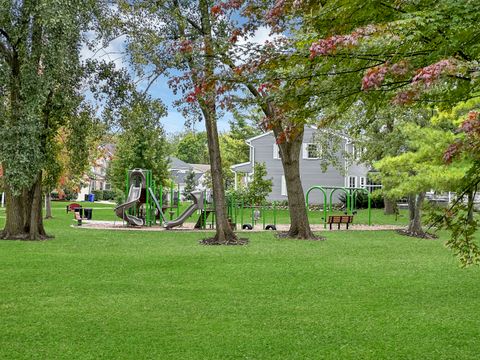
(190,184)
(260,187)
(419,169)
(142,144)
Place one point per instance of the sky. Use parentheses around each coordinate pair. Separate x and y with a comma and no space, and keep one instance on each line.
(174,122)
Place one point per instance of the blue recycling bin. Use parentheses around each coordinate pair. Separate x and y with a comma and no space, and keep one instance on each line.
(91,197)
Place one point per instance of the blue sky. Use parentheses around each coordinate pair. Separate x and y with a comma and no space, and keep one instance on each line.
(174,121)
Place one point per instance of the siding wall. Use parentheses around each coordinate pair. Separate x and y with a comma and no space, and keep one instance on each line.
(310,169)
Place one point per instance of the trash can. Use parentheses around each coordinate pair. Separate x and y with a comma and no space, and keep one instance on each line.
(85,198)
(87,212)
(91,197)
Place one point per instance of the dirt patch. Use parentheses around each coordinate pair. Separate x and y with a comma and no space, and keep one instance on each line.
(427,236)
(213,241)
(284,235)
(118,225)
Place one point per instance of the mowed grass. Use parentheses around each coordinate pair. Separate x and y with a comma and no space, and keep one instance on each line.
(91,294)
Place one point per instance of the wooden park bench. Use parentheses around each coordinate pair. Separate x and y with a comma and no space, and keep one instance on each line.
(340,219)
(73,206)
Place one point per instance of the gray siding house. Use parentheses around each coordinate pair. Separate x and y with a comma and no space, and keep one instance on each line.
(263,149)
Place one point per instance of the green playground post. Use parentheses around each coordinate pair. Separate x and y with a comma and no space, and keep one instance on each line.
(160,189)
(204,213)
(241,213)
(263,215)
(324,202)
(347,196)
(235,210)
(369,202)
(147,199)
(178,200)
(171,201)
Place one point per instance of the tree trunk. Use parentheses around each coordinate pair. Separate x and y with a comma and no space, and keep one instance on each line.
(290,154)
(390,207)
(24,214)
(48,205)
(36,229)
(415,203)
(224,232)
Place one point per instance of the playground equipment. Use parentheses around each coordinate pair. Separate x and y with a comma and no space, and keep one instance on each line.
(142,206)
(350,199)
(238,207)
(198,204)
(145,203)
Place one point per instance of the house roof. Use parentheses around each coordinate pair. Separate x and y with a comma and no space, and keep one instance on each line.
(242,168)
(177,164)
(248,141)
(202,168)
(180,177)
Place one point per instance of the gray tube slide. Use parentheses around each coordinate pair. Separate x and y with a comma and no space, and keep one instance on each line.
(197,204)
(121,210)
(181,219)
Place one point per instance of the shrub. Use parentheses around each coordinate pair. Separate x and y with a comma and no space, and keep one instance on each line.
(70,194)
(108,195)
(119,197)
(260,187)
(98,194)
(362,200)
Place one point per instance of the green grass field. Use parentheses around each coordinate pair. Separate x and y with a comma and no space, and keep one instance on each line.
(90,294)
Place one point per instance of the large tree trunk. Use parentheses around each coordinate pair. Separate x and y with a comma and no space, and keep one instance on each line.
(390,206)
(24,214)
(224,232)
(290,154)
(415,203)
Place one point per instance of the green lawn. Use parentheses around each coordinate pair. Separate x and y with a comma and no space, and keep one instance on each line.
(91,294)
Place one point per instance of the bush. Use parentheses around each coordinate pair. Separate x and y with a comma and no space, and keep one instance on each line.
(362,200)
(119,197)
(70,194)
(98,194)
(108,195)
(260,187)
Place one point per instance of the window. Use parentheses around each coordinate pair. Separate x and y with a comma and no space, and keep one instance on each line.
(352,181)
(358,152)
(311,151)
(284,186)
(276,151)
(362,182)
